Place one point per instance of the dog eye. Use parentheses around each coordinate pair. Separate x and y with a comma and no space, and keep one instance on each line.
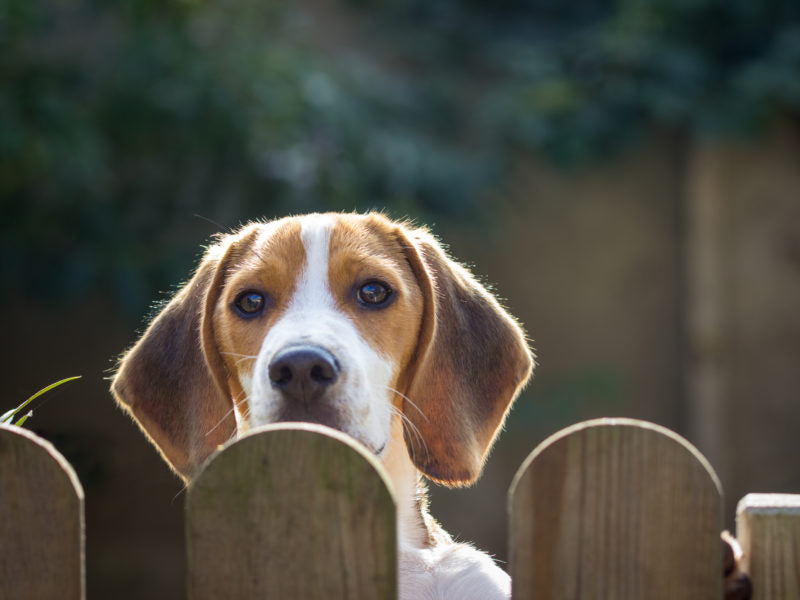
(374,293)
(249,304)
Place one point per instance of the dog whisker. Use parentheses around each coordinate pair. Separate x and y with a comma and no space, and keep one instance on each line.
(409,426)
(407,399)
(212,221)
(237,354)
(395,411)
(183,489)
(242,357)
(245,419)
(222,420)
(407,423)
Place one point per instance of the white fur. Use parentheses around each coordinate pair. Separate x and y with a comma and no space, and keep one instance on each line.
(443,571)
(450,571)
(446,570)
(361,395)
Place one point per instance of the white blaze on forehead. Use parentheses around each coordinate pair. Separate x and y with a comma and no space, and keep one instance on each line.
(313,290)
(361,395)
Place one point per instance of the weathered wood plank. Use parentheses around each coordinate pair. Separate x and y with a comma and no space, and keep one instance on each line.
(41,520)
(292,511)
(615,508)
(768,529)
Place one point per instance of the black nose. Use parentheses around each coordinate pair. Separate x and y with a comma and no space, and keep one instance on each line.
(303,372)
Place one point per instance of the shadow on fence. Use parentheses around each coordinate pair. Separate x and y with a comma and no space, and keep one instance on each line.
(611,508)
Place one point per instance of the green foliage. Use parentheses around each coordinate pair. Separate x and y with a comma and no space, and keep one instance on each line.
(8,417)
(576,80)
(121,120)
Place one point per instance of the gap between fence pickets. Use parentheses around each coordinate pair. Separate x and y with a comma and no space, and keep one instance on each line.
(768,528)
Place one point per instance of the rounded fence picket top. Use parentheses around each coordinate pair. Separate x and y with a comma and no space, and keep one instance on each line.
(41,520)
(615,508)
(292,511)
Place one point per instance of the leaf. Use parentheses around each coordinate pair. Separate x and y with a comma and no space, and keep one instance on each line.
(8,416)
(24,418)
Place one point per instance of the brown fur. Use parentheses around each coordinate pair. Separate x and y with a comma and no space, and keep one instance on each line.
(270,266)
(472,360)
(167,380)
(363,249)
(462,359)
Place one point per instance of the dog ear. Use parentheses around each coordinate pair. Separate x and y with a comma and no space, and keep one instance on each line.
(472,361)
(170,381)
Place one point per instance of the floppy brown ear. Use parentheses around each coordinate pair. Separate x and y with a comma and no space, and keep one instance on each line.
(168,381)
(471,363)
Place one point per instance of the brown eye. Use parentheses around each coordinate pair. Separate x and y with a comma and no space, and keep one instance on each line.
(249,304)
(374,293)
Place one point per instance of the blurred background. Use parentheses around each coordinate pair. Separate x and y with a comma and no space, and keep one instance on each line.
(625,173)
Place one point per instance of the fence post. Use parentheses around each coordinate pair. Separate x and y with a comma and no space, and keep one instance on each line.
(290,512)
(41,520)
(768,529)
(615,508)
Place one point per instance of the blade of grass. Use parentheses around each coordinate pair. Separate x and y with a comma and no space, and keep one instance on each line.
(24,418)
(8,416)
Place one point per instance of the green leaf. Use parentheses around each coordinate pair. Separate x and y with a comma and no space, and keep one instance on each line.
(9,416)
(24,418)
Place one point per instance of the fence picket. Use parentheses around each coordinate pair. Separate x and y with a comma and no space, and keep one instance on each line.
(610,508)
(768,528)
(292,511)
(615,508)
(41,520)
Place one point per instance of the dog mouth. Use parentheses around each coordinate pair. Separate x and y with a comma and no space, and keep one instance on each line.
(320,414)
(329,417)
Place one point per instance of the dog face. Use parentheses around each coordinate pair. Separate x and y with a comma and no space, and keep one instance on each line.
(318,326)
(352,321)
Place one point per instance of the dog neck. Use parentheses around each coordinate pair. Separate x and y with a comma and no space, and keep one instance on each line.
(415,526)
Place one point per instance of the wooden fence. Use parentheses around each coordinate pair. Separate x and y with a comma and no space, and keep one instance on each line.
(41,521)
(606,509)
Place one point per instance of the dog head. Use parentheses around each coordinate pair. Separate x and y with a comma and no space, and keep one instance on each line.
(352,321)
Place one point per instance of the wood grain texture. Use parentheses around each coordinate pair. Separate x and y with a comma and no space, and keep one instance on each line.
(41,520)
(615,508)
(292,511)
(768,529)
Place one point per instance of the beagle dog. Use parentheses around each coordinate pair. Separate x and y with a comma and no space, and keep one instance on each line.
(352,321)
